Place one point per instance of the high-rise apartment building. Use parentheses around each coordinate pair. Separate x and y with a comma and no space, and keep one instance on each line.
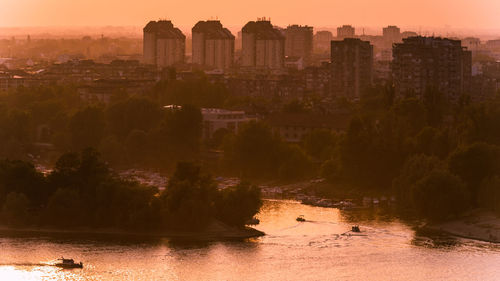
(472,43)
(163,44)
(351,67)
(322,41)
(438,64)
(263,46)
(213,45)
(391,33)
(345,31)
(299,42)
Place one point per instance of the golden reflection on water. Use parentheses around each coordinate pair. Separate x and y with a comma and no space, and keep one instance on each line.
(291,250)
(34,273)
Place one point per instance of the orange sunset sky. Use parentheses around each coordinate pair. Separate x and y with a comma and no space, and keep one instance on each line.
(477,14)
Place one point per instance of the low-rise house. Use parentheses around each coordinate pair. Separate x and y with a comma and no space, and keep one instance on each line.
(293,127)
(215,119)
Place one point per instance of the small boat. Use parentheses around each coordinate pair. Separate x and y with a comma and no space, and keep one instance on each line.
(300,218)
(253,221)
(355,228)
(68,263)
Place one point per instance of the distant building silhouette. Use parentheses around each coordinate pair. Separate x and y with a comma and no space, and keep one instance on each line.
(299,42)
(322,41)
(391,33)
(351,67)
(431,63)
(345,31)
(213,45)
(263,46)
(239,41)
(164,45)
(472,43)
(407,34)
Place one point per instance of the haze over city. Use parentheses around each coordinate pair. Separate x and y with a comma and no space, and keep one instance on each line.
(257,140)
(427,16)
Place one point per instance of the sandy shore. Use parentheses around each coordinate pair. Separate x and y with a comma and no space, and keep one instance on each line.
(215,231)
(478,225)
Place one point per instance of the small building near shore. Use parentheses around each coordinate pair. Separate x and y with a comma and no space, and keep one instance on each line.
(292,127)
(215,119)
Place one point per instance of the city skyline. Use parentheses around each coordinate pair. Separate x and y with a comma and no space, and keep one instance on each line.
(427,14)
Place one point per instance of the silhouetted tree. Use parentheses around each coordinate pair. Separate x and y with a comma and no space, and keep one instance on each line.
(87,128)
(475,163)
(236,205)
(440,195)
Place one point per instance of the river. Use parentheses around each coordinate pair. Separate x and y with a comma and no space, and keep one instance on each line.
(313,250)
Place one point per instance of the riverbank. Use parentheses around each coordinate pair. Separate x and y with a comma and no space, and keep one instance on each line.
(320,193)
(478,225)
(214,231)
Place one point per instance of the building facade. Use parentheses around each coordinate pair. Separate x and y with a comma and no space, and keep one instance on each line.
(216,119)
(391,33)
(322,41)
(299,42)
(351,67)
(422,64)
(293,127)
(163,44)
(263,46)
(345,31)
(213,45)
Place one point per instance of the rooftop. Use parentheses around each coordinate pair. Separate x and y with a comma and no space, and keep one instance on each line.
(213,29)
(263,29)
(164,29)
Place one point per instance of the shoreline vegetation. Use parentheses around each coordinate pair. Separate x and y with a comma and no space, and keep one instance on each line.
(214,231)
(82,193)
(477,224)
(438,157)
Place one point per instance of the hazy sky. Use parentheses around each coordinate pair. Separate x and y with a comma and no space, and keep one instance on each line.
(473,14)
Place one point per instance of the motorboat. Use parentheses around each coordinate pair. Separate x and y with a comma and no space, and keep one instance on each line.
(355,228)
(300,218)
(68,263)
(253,221)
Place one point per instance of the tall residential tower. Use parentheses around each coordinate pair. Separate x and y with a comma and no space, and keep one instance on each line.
(213,45)
(263,46)
(438,64)
(299,42)
(345,31)
(163,44)
(351,67)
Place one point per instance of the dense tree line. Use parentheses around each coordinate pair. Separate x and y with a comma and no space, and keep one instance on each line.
(418,148)
(129,131)
(439,157)
(256,152)
(82,191)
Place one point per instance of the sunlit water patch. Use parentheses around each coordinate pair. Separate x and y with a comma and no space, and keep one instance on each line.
(321,248)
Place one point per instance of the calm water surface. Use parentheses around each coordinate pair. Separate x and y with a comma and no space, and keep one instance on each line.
(311,250)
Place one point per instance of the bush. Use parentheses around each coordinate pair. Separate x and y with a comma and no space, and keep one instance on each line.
(440,195)
(415,168)
(15,209)
(65,209)
(296,164)
(475,163)
(238,204)
(188,200)
(489,194)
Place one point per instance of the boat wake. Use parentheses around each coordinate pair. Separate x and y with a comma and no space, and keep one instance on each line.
(291,227)
(322,222)
(24,264)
